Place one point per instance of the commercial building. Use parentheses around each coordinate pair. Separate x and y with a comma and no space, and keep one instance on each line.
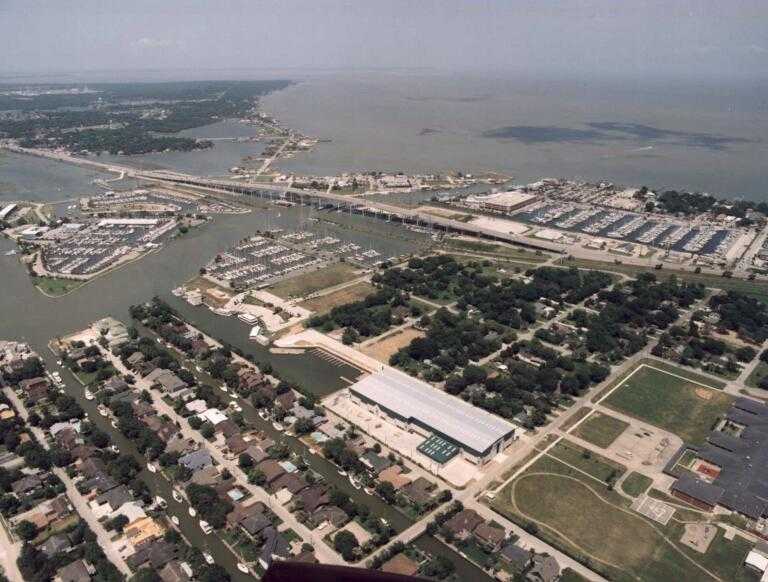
(731,469)
(503,202)
(416,406)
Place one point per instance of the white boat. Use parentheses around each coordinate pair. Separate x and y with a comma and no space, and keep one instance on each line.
(342,472)
(369,490)
(208,558)
(103,410)
(115,449)
(354,482)
(205,526)
(263,415)
(161,502)
(174,520)
(88,394)
(243,568)
(223,388)
(114,424)
(177,496)
(151,468)
(192,512)
(58,362)
(277,426)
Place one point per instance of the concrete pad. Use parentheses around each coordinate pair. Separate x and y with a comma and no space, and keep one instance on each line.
(698,536)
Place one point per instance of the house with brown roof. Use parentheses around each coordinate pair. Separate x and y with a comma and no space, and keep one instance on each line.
(314,497)
(394,476)
(331,514)
(489,536)
(173,572)
(242,511)
(463,523)
(236,445)
(286,400)
(290,481)
(77,571)
(271,469)
(400,564)
(419,491)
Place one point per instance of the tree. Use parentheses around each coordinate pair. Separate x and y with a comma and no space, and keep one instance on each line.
(387,491)
(26,530)
(145,575)
(346,543)
(303,426)
(118,522)
(245,461)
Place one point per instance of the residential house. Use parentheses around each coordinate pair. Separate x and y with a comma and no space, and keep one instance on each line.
(26,485)
(543,569)
(143,530)
(314,497)
(286,400)
(419,491)
(196,460)
(394,476)
(336,516)
(77,571)
(135,359)
(275,547)
(489,536)
(291,482)
(463,523)
(174,571)
(517,558)
(255,524)
(375,463)
(55,544)
(271,469)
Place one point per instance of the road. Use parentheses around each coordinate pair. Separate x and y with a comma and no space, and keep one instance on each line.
(78,501)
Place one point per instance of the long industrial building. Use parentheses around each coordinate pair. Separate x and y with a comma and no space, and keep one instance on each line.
(450,425)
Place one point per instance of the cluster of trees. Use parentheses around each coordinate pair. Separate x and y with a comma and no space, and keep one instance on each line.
(36,566)
(451,341)
(146,440)
(743,314)
(123,140)
(211,507)
(706,352)
(690,203)
(371,316)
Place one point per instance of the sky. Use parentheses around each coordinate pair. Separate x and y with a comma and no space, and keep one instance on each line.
(707,39)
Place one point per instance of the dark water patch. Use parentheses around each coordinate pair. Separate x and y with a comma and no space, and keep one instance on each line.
(675,137)
(535,134)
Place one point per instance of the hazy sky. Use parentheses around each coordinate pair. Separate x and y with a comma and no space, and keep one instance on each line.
(662,38)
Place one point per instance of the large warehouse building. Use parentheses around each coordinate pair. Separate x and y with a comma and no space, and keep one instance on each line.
(450,425)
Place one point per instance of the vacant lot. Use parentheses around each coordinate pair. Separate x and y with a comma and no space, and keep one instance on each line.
(760,372)
(636,484)
(349,294)
(680,406)
(601,429)
(306,283)
(383,349)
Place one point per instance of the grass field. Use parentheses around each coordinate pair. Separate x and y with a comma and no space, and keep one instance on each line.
(682,407)
(756,289)
(585,519)
(760,372)
(577,416)
(306,283)
(636,484)
(496,250)
(56,287)
(591,463)
(601,429)
(349,294)
(590,522)
(569,575)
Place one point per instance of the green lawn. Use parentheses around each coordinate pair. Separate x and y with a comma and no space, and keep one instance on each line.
(497,250)
(636,484)
(569,575)
(760,372)
(591,463)
(55,287)
(682,407)
(601,429)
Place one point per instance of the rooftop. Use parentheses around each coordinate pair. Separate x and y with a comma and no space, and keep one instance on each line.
(415,400)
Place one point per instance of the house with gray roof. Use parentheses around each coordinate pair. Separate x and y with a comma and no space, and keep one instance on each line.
(196,460)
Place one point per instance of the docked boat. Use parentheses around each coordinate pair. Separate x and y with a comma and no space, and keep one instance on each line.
(278,427)
(208,558)
(115,449)
(103,410)
(206,527)
(263,414)
(192,512)
(174,520)
(162,503)
(354,482)
(151,468)
(88,394)
(176,496)
(243,568)
(369,490)
(342,472)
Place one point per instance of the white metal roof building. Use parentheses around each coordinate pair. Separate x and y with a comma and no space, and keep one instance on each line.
(409,400)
